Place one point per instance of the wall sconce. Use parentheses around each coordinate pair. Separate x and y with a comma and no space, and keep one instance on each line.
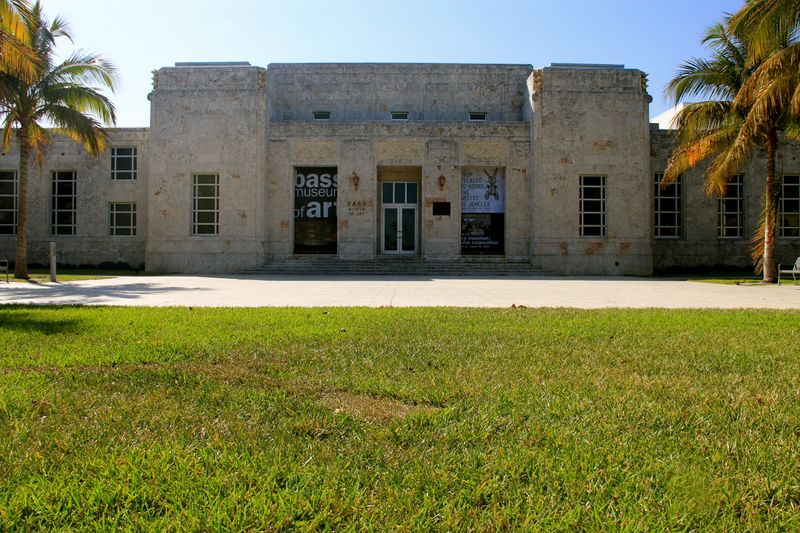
(355,179)
(441,182)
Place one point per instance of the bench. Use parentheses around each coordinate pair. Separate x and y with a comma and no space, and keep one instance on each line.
(793,271)
(4,267)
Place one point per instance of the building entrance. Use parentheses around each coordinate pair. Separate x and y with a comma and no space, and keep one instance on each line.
(399,216)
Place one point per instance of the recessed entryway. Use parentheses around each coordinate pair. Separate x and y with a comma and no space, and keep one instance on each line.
(399,197)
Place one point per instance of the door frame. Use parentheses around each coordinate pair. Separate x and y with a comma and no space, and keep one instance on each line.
(399,209)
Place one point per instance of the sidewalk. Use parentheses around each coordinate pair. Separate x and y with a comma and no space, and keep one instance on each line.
(283,291)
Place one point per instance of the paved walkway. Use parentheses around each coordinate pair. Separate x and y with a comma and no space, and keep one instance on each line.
(282,291)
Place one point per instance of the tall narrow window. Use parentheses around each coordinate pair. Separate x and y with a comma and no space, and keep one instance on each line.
(8,202)
(789,207)
(63,214)
(730,209)
(592,206)
(122,219)
(667,209)
(205,204)
(123,163)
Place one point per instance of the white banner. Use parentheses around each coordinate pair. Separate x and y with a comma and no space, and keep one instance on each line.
(483,190)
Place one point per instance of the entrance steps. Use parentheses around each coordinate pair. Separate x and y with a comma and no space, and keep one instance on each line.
(398,266)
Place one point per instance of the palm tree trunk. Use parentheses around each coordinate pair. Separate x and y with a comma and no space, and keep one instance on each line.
(770,211)
(21,260)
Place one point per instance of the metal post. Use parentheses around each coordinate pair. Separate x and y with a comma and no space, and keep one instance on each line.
(53,262)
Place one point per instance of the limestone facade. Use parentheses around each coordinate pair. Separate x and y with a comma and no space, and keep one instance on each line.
(242,166)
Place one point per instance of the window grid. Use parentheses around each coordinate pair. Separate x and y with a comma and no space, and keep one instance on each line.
(122,219)
(667,209)
(592,210)
(789,207)
(730,209)
(399,115)
(205,204)
(63,203)
(399,192)
(8,202)
(477,116)
(123,163)
(321,115)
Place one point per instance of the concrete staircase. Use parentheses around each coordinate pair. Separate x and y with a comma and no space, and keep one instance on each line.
(398,266)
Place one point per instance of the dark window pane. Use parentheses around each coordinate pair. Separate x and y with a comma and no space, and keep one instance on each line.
(411,197)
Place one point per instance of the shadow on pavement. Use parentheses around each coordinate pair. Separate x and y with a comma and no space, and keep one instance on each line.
(78,294)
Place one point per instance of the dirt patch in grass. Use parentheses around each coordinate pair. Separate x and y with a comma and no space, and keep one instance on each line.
(370,408)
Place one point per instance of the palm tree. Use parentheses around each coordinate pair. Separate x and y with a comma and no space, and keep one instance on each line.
(60,95)
(16,54)
(722,130)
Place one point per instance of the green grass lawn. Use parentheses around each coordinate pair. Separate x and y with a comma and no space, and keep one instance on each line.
(408,419)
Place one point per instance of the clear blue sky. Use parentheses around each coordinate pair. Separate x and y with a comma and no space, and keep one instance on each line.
(142,35)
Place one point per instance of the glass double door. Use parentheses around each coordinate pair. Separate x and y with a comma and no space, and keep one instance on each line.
(399,226)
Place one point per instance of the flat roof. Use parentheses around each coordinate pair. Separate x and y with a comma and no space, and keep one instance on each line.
(213,64)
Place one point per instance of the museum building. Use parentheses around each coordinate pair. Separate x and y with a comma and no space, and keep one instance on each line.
(244,167)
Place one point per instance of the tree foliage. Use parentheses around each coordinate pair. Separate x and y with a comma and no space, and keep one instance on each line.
(61,98)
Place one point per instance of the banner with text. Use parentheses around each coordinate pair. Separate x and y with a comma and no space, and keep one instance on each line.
(483,211)
(315,192)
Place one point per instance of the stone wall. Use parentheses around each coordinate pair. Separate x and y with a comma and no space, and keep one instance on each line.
(370,92)
(91,244)
(699,246)
(207,120)
(591,121)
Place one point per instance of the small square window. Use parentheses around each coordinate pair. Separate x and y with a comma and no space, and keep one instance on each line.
(122,219)
(476,116)
(399,115)
(123,163)
(321,115)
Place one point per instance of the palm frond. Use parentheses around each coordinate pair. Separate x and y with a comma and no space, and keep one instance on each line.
(87,68)
(80,128)
(766,24)
(80,98)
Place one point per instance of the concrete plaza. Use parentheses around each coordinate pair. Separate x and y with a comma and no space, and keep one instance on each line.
(284,291)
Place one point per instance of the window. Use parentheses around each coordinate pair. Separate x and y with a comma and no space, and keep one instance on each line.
(123,163)
(789,207)
(477,116)
(593,206)
(205,204)
(667,209)
(399,115)
(63,213)
(321,115)
(730,209)
(8,202)
(122,219)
